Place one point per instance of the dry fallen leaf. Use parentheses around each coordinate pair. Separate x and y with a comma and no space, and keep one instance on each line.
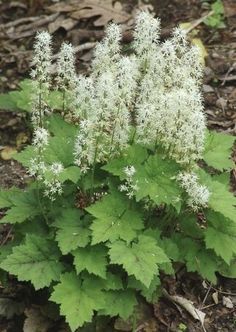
(187,305)
(62,22)
(227,302)
(103,11)
(203,52)
(21,138)
(215,297)
(8,152)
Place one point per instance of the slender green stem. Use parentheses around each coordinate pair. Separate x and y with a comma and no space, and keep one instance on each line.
(40,203)
(94,165)
(63,101)
(134,322)
(133,137)
(40,105)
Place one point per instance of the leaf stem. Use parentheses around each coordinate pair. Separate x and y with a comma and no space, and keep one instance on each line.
(134,322)
(40,203)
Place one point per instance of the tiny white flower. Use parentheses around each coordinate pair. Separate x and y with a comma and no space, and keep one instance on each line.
(56,168)
(129,171)
(40,138)
(198,194)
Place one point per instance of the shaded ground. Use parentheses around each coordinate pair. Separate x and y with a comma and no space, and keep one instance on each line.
(220,106)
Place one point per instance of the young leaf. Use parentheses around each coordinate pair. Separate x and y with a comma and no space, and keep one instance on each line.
(73,231)
(114,219)
(140,259)
(84,298)
(92,258)
(156,180)
(218,149)
(119,302)
(36,261)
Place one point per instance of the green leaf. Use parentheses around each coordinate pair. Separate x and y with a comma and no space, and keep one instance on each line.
(218,149)
(71,173)
(59,127)
(55,100)
(6,196)
(197,258)
(112,282)
(228,271)
(18,100)
(24,157)
(218,7)
(134,155)
(36,261)
(157,181)
(119,302)
(60,149)
(78,299)
(221,200)
(24,206)
(18,214)
(205,263)
(7,102)
(223,244)
(221,223)
(223,178)
(73,231)
(140,259)
(150,293)
(92,258)
(114,219)
(189,225)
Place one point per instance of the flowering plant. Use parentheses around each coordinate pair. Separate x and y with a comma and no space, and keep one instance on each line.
(126,179)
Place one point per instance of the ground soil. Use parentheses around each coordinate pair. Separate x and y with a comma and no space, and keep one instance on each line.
(220,106)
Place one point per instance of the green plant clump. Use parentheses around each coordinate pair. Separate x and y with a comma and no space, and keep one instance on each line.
(126,179)
(216,20)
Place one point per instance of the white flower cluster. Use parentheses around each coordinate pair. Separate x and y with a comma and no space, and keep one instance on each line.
(130,186)
(104,103)
(66,75)
(53,185)
(41,76)
(169,106)
(48,174)
(40,138)
(152,95)
(156,89)
(40,141)
(198,194)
